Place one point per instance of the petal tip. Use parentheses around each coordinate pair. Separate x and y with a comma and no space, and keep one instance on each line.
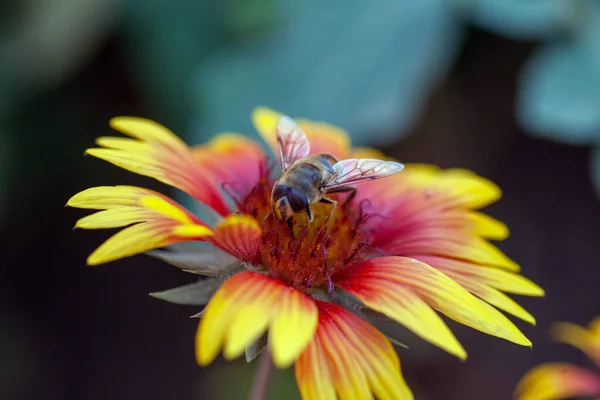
(203,360)
(454,348)
(230,352)
(265,122)
(282,362)
(116,122)
(92,261)
(206,352)
(97,258)
(262,111)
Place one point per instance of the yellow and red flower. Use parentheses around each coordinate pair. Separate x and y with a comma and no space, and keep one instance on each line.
(406,246)
(554,381)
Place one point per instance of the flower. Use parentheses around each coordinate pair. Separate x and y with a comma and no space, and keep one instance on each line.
(404,247)
(554,381)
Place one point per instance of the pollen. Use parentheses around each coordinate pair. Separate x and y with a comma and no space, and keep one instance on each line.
(306,256)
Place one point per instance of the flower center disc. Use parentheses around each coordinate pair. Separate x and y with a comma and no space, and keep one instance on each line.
(311,253)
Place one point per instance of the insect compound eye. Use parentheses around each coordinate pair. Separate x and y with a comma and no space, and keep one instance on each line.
(297,200)
(280,191)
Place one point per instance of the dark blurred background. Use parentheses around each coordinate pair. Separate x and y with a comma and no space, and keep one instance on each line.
(507,88)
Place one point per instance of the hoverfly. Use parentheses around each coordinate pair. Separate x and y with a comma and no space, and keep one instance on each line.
(305,180)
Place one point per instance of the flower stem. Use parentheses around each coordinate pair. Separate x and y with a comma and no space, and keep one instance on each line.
(262,379)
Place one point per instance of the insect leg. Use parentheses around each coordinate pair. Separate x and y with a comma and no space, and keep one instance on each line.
(310,215)
(329,201)
(344,189)
(265,218)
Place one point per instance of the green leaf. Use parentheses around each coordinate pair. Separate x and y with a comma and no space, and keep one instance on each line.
(365,66)
(208,262)
(194,294)
(245,19)
(522,19)
(256,348)
(42,33)
(559,94)
(165,41)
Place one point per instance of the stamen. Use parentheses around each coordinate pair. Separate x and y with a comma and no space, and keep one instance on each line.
(276,253)
(269,232)
(353,256)
(329,285)
(318,241)
(299,244)
(306,255)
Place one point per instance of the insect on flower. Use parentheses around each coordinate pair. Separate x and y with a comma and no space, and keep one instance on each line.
(306,179)
(290,275)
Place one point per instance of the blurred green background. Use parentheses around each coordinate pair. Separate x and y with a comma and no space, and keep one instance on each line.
(508,88)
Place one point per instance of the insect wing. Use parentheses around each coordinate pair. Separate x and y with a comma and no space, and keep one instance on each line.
(355,170)
(293,143)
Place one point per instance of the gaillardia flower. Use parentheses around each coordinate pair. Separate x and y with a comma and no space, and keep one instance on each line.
(404,247)
(554,381)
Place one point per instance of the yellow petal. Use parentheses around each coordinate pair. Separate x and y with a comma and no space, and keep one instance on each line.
(488,227)
(501,326)
(323,137)
(244,307)
(555,381)
(133,240)
(126,144)
(239,235)
(510,282)
(493,296)
(466,189)
(104,197)
(326,138)
(158,153)
(382,287)
(289,330)
(251,322)
(232,158)
(586,340)
(114,218)
(145,129)
(473,191)
(351,358)
(383,284)
(218,315)
(265,122)
(160,220)
(498,278)
(192,231)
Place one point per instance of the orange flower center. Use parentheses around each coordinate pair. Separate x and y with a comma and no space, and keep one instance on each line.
(308,255)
